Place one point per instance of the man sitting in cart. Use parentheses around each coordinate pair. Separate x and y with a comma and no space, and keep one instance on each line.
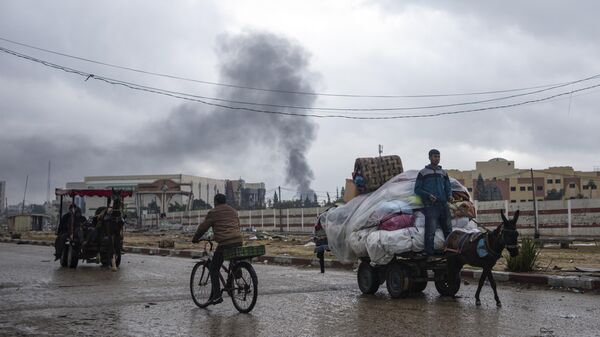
(226,228)
(433,186)
(62,233)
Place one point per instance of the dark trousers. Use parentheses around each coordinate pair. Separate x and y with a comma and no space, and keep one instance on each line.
(436,215)
(215,267)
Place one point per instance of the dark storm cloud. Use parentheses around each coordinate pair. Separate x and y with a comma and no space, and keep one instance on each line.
(30,155)
(218,135)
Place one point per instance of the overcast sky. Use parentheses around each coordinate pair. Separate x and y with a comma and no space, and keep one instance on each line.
(365,48)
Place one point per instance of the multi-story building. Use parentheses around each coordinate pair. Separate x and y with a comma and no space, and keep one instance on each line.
(498,179)
(243,195)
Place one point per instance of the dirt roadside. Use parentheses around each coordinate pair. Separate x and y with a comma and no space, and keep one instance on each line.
(552,259)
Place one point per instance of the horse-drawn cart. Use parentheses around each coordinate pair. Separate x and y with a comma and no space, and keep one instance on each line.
(99,239)
(406,273)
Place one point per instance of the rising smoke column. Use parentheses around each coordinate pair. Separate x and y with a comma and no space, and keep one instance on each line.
(267,61)
(252,59)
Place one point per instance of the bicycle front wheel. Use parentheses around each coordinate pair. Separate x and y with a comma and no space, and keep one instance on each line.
(200,285)
(244,287)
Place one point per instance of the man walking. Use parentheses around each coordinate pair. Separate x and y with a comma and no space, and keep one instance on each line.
(433,186)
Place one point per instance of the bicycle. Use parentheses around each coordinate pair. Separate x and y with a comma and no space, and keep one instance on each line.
(241,283)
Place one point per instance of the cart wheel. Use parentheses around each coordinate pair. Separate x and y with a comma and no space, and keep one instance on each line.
(398,280)
(72,256)
(446,284)
(368,278)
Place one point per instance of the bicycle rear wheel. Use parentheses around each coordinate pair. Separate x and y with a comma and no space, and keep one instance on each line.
(244,287)
(200,285)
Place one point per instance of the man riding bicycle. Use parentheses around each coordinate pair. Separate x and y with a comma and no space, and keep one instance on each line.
(226,227)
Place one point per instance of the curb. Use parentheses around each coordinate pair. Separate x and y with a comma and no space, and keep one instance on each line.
(581,282)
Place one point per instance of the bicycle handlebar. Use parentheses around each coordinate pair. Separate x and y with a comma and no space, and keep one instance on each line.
(208,242)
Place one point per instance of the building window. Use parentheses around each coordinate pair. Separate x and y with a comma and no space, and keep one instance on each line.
(585,187)
(470,189)
(530,200)
(539,188)
(540,199)
(529,188)
(513,188)
(522,200)
(549,181)
(571,185)
(594,187)
(513,201)
(557,181)
(522,188)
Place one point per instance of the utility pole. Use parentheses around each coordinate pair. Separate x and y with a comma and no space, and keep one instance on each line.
(380,165)
(48,186)
(536,233)
(280,212)
(24,194)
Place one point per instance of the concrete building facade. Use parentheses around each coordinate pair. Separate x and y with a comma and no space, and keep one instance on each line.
(501,180)
(243,195)
(161,190)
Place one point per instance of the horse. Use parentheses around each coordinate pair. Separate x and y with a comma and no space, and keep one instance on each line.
(483,250)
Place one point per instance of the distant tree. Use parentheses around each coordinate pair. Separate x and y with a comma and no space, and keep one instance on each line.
(591,185)
(198,204)
(177,207)
(553,194)
(328,199)
(275,199)
(315,200)
(480,190)
(307,202)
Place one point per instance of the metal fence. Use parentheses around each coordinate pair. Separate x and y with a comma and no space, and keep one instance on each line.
(560,217)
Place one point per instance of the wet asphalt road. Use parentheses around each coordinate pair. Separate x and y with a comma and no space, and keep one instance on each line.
(149,296)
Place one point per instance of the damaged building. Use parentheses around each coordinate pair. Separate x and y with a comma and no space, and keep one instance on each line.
(243,195)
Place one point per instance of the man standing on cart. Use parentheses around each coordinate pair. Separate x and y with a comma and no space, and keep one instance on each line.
(433,186)
(226,227)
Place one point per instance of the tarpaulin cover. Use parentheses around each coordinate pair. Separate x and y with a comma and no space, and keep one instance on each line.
(352,229)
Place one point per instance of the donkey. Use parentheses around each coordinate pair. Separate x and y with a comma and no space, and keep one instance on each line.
(483,250)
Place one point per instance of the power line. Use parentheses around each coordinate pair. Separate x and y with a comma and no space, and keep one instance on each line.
(277,90)
(189,97)
(348,110)
(425,107)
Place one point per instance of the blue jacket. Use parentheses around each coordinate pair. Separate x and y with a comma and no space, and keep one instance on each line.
(433,181)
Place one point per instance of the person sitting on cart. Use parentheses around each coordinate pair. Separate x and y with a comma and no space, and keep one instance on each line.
(226,228)
(62,233)
(433,186)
